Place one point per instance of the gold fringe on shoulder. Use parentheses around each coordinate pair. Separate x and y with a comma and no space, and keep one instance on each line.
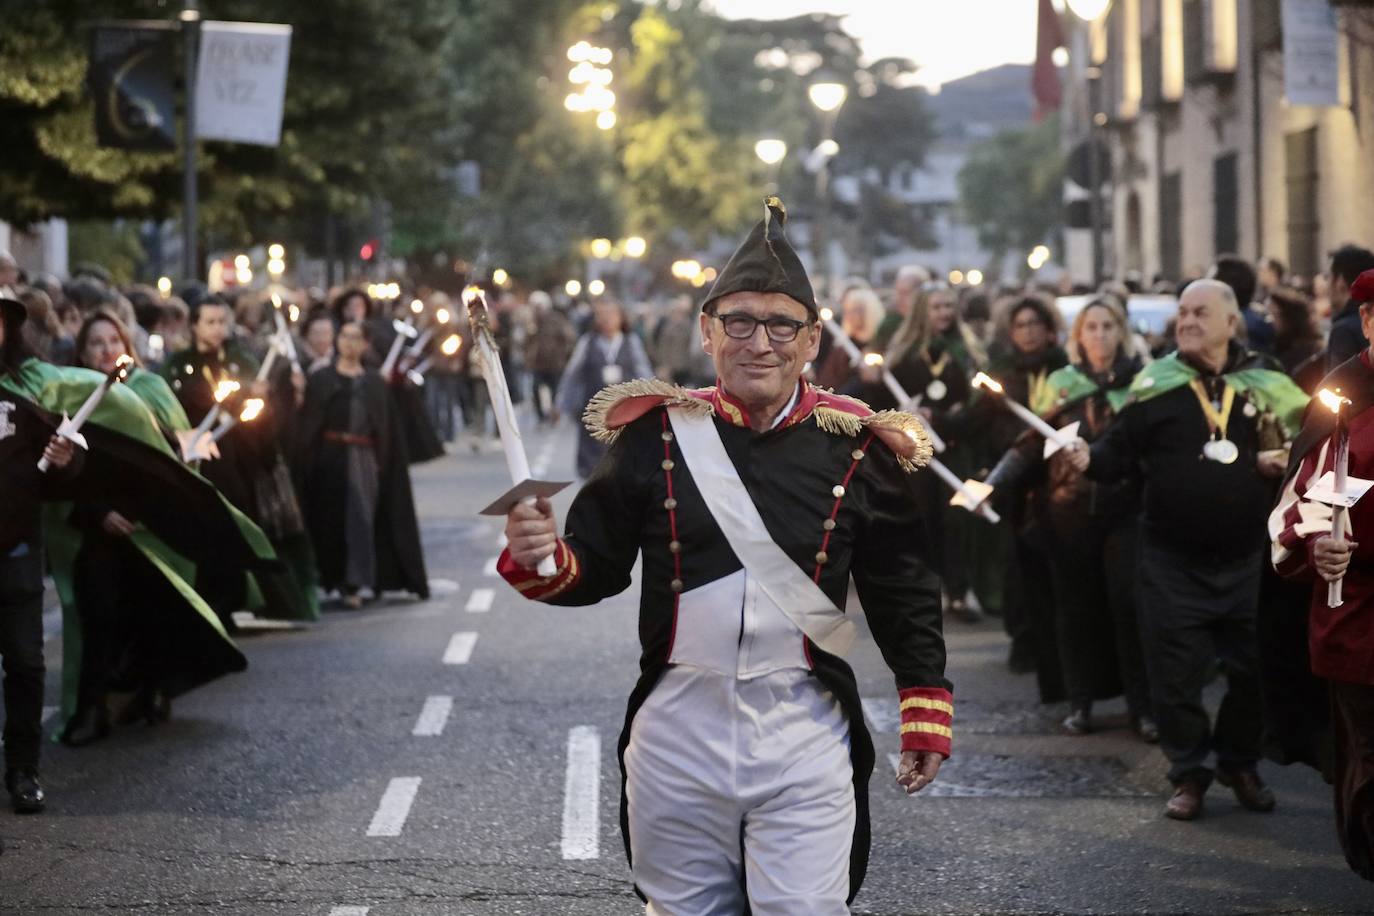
(911,427)
(837,422)
(599,407)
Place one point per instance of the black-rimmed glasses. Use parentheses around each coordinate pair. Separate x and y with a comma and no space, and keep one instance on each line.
(742,327)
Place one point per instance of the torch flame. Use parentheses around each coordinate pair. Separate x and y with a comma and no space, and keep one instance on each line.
(983,380)
(251,408)
(443,316)
(276,301)
(451,344)
(827,314)
(1332,400)
(293,312)
(873,359)
(417,306)
(225,388)
(472,294)
(122,367)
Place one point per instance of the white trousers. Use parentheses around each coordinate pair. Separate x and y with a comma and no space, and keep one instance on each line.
(729,778)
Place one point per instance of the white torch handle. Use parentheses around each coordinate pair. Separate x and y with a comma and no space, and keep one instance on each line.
(389,364)
(1333,588)
(1034,422)
(70,428)
(895,387)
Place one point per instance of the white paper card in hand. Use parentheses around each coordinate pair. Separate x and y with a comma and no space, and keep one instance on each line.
(1324,490)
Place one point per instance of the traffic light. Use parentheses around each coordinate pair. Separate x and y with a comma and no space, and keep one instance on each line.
(368,251)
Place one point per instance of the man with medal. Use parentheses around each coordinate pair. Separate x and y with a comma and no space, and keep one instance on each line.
(1207,430)
(745,757)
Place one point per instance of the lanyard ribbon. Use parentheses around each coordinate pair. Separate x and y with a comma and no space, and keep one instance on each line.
(1217,420)
(937,368)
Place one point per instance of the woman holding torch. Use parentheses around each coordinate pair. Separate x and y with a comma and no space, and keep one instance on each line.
(132,622)
(1091,528)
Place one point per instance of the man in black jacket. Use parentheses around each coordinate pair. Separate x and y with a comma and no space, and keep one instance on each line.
(1346,339)
(744,755)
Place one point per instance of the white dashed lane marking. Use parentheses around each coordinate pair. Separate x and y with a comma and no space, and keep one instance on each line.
(460,648)
(582,795)
(433,717)
(391,814)
(479,602)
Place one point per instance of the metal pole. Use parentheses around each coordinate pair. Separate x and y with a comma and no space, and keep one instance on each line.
(190,255)
(1094,178)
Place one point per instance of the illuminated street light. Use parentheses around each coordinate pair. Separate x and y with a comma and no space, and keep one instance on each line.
(596,287)
(606,120)
(1060,57)
(827,97)
(635,246)
(276,252)
(601,248)
(572,287)
(975,277)
(956,277)
(241,262)
(770,150)
(164,286)
(500,277)
(276,267)
(1089,10)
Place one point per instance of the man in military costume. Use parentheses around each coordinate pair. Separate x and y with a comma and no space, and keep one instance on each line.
(745,757)
(1207,428)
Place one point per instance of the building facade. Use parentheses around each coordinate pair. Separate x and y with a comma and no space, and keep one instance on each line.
(1197,102)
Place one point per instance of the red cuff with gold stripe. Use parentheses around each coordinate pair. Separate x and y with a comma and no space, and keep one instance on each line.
(927,719)
(534,586)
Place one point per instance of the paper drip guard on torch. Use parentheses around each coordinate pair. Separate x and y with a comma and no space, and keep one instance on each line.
(1055,439)
(526,489)
(968,494)
(70,429)
(197,444)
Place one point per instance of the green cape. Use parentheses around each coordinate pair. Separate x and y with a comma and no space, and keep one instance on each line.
(1271,391)
(1069,385)
(142,409)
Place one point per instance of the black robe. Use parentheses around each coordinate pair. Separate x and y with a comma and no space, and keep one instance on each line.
(400,557)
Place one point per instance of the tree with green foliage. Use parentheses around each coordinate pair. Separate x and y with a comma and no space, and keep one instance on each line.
(1012,186)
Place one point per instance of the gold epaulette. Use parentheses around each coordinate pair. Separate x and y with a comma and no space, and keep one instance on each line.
(900,431)
(609,410)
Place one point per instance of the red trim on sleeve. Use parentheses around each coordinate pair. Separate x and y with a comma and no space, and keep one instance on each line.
(541,588)
(927,719)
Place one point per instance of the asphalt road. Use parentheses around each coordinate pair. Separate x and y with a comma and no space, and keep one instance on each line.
(457,757)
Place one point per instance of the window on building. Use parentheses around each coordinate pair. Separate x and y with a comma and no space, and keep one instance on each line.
(1304,224)
(1171,226)
(1226,204)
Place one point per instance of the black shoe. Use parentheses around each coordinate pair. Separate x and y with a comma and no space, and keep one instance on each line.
(963,612)
(88,726)
(1146,729)
(26,792)
(1079,722)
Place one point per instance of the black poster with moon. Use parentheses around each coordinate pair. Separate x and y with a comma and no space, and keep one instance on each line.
(131,80)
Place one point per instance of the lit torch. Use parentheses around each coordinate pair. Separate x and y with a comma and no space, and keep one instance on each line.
(70,429)
(1055,439)
(251,408)
(1340,439)
(197,444)
(526,490)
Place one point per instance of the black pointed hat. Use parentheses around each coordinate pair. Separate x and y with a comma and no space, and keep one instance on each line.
(765,263)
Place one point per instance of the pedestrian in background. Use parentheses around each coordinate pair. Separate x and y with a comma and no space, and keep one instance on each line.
(546,353)
(608,354)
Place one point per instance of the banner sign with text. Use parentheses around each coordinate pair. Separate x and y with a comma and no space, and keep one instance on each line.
(241,81)
(131,81)
(1311,53)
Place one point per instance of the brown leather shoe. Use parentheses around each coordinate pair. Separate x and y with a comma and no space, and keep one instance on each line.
(1186,804)
(1249,789)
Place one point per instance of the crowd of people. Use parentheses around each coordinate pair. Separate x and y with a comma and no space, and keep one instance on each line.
(1134,556)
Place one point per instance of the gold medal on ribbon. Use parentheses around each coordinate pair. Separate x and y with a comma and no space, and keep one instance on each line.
(1217,448)
(937,390)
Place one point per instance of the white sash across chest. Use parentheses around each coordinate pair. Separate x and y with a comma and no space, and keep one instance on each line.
(733,509)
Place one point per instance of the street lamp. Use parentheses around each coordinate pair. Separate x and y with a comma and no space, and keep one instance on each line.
(770,150)
(601,248)
(596,287)
(1089,10)
(573,288)
(827,97)
(635,246)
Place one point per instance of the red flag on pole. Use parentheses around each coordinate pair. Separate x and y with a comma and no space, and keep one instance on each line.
(1045,75)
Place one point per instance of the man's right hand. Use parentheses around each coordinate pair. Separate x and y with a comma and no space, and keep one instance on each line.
(1332,557)
(531,534)
(117,525)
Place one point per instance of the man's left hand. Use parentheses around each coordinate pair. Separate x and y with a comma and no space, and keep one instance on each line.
(917,769)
